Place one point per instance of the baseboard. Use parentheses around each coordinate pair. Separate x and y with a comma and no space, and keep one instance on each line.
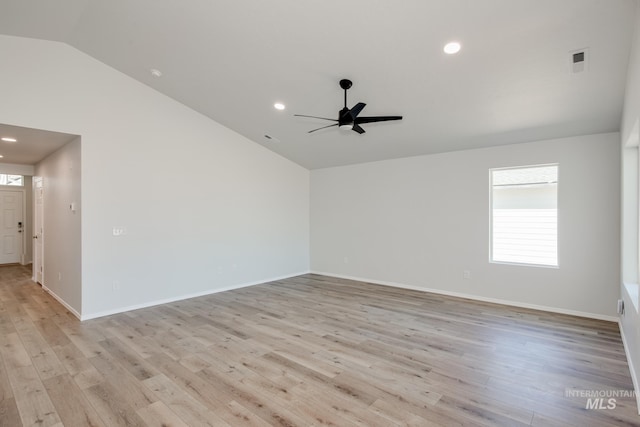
(61,301)
(184,297)
(475,297)
(632,370)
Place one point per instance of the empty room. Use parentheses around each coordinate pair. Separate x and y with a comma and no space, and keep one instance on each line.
(296,213)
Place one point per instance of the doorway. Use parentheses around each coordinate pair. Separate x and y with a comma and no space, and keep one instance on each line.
(52,227)
(12,226)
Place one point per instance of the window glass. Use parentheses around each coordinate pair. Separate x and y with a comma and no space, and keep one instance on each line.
(524,219)
(17,180)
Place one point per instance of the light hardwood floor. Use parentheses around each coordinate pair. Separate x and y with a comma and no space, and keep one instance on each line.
(305,351)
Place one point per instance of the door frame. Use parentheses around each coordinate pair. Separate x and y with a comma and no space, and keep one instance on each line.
(24,225)
(38,214)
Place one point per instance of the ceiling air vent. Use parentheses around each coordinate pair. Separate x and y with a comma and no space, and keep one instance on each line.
(578,59)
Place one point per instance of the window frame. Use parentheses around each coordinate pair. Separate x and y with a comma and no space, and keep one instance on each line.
(524,264)
(7,175)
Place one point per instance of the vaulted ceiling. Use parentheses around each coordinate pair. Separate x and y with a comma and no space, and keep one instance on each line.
(232,60)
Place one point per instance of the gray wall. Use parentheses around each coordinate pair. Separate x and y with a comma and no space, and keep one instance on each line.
(205,209)
(630,139)
(60,173)
(421,221)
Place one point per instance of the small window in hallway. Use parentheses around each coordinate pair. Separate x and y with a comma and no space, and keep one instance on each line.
(15,180)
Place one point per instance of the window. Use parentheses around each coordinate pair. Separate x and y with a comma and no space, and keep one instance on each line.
(524,219)
(17,180)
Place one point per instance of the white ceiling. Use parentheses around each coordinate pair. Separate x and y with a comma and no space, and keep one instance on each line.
(231,60)
(32,145)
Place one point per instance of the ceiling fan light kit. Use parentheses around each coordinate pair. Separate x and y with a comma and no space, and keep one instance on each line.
(349,118)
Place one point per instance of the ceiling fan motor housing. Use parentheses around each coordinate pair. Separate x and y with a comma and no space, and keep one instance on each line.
(344,119)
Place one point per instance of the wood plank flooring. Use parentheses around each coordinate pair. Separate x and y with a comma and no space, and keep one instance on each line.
(306,351)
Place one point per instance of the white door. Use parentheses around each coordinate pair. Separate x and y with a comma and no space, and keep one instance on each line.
(11,226)
(38,227)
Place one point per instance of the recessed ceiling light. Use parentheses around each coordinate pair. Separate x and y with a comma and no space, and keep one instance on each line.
(278,106)
(452,47)
(1,156)
(7,139)
(155,73)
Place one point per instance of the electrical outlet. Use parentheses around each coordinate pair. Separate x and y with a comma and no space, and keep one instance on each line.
(466,274)
(119,231)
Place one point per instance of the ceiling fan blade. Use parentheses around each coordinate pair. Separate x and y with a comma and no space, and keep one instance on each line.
(357,128)
(315,117)
(376,119)
(356,109)
(323,127)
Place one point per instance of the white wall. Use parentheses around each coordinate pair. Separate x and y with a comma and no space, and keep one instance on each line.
(631,112)
(420,221)
(60,173)
(204,208)
(630,138)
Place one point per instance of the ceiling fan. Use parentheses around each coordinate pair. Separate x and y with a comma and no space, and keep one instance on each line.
(348,118)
